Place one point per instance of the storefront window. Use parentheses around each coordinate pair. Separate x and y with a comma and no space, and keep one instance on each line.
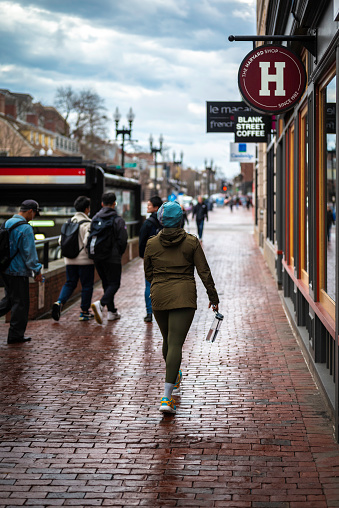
(304,212)
(330,184)
(289,198)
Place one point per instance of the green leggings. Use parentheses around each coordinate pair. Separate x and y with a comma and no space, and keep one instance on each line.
(174,325)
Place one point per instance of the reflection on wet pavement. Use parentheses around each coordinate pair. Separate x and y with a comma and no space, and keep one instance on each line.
(79,416)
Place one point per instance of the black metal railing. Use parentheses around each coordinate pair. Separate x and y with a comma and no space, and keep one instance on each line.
(46,242)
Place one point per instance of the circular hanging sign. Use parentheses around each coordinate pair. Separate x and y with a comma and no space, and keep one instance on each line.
(271,79)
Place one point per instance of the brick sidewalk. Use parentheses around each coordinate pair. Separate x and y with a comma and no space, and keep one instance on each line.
(79,419)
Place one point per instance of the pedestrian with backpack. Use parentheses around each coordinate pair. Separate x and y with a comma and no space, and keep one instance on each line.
(150,227)
(107,241)
(73,241)
(18,262)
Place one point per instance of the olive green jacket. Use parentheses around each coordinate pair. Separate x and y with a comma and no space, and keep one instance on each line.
(169,261)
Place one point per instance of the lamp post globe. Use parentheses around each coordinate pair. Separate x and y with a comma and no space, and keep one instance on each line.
(123,132)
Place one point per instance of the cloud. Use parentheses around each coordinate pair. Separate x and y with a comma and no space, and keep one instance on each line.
(165,60)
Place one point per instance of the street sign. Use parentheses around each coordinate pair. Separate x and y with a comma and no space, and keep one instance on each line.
(271,79)
(128,165)
(220,115)
(172,197)
(242,152)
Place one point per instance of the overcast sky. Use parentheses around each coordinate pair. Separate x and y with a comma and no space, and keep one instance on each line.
(163,58)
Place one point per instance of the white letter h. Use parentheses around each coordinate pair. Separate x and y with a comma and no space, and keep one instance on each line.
(278,77)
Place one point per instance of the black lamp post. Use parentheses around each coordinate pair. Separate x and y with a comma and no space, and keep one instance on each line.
(178,163)
(177,175)
(155,151)
(209,170)
(123,131)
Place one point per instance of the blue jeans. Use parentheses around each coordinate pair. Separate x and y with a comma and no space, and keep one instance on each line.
(86,275)
(200,226)
(148,297)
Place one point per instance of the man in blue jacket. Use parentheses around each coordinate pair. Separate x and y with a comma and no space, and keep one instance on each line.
(24,264)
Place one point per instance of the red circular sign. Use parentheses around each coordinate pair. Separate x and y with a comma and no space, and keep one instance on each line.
(271,79)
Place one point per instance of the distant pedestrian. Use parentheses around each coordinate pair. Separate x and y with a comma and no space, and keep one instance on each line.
(107,242)
(184,219)
(24,264)
(201,213)
(79,267)
(150,227)
(169,262)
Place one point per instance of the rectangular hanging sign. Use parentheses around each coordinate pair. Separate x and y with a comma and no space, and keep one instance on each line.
(251,127)
(242,152)
(220,115)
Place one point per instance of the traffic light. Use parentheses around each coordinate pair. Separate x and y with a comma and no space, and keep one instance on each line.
(223,186)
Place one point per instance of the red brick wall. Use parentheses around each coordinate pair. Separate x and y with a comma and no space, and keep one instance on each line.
(53,285)
(247,171)
(10,109)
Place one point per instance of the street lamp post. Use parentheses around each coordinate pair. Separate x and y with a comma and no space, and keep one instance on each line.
(209,170)
(155,151)
(177,175)
(123,132)
(196,185)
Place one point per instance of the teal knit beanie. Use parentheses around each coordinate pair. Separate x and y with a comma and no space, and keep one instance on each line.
(170,214)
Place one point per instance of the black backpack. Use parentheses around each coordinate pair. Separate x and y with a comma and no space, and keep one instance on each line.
(70,239)
(156,224)
(101,238)
(5,256)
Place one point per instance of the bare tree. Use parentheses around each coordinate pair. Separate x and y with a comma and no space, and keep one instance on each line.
(12,142)
(84,110)
(64,102)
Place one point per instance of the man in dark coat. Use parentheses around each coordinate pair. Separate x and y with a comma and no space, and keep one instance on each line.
(200,212)
(150,227)
(109,269)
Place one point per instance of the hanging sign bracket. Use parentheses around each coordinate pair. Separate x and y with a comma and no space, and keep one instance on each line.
(308,41)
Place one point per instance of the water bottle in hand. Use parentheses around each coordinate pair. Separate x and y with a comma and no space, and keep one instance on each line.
(213,331)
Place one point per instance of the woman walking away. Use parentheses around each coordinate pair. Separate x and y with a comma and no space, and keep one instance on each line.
(169,261)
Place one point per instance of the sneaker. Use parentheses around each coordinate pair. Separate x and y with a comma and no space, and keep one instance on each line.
(85,316)
(176,388)
(56,310)
(148,318)
(97,309)
(113,316)
(167,405)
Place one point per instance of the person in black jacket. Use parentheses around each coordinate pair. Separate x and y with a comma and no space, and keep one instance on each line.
(184,217)
(200,212)
(109,269)
(150,227)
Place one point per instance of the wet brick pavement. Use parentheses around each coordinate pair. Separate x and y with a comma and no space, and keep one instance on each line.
(80,424)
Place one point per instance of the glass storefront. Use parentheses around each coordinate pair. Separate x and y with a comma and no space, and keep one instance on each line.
(330,184)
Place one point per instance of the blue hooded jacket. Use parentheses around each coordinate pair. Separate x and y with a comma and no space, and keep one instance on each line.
(22,240)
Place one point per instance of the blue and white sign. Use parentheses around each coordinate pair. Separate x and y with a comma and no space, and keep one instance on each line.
(242,152)
(172,197)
